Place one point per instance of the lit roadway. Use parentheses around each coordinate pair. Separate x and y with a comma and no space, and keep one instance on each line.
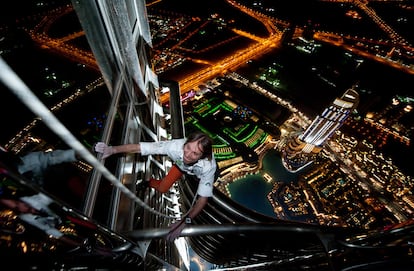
(227,64)
(339,41)
(397,40)
(75,95)
(263,46)
(39,35)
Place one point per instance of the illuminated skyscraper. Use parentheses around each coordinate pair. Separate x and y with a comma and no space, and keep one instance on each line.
(300,151)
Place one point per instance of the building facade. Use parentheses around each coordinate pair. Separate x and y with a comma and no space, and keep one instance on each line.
(301,150)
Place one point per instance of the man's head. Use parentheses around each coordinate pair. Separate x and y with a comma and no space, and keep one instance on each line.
(197,146)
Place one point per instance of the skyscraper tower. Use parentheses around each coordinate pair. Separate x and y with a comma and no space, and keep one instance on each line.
(300,151)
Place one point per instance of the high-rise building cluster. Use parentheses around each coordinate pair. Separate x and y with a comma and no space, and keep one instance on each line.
(301,150)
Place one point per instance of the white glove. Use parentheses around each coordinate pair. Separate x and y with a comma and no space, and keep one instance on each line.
(104,149)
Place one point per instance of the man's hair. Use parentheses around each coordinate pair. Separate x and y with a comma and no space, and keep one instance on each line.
(205,141)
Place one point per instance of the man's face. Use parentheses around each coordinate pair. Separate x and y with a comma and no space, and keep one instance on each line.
(192,152)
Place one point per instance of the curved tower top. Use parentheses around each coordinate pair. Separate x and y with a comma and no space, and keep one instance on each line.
(299,152)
